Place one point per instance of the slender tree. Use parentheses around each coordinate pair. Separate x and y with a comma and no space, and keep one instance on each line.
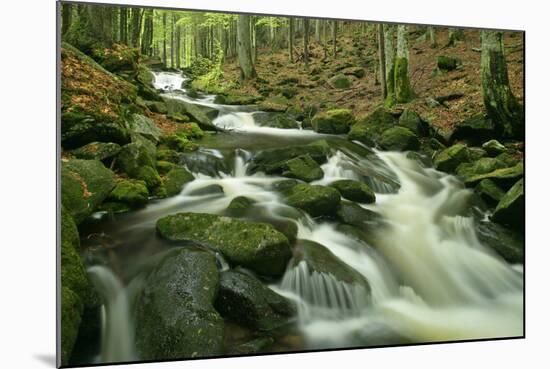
(244,49)
(291,40)
(123,25)
(164,39)
(306,42)
(431,33)
(389,56)
(334,34)
(501,104)
(381,60)
(66,17)
(402,85)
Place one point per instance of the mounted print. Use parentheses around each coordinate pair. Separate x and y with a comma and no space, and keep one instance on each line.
(245,184)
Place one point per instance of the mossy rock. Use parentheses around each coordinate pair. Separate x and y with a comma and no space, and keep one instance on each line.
(157,106)
(275,120)
(355,215)
(175,317)
(136,155)
(447,63)
(303,168)
(144,126)
(335,121)
(175,179)
(273,160)
(247,301)
(504,177)
(71,316)
(478,167)
(510,210)
(354,71)
(176,142)
(274,103)
(369,129)
(321,260)
(411,120)
(133,193)
(213,189)
(84,185)
(164,167)
(489,191)
(340,81)
(190,130)
(150,176)
(494,148)
(476,153)
(255,346)
(171,156)
(96,151)
(239,206)
(449,159)
(354,191)
(313,199)
(399,139)
(502,240)
(203,115)
(476,129)
(80,129)
(254,245)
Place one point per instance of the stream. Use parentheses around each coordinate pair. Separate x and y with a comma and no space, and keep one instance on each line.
(430,277)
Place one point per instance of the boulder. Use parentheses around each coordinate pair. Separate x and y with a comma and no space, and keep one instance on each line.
(476,129)
(171,156)
(247,301)
(175,179)
(411,120)
(449,159)
(164,167)
(239,206)
(502,240)
(273,160)
(303,168)
(203,115)
(274,103)
(354,191)
(275,120)
(313,199)
(510,210)
(150,176)
(79,129)
(257,246)
(353,214)
(96,151)
(136,155)
(399,139)
(335,121)
(493,147)
(369,129)
(504,177)
(130,192)
(157,106)
(340,81)
(175,317)
(213,189)
(84,185)
(478,167)
(489,191)
(144,126)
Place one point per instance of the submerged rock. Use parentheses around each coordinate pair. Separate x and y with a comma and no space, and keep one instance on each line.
(353,214)
(273,160)
(354,191)
(245,300)
(84,185)
(313,199)
(239,206)
(257,246)
(175,317)
(335,121)
(276,120)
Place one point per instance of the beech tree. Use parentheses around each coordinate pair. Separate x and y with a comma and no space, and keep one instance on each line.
(382,60)
(291,40)
(244,49)
(501,104)
(402,84)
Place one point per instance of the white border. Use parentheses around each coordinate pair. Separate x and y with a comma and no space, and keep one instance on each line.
(27,316)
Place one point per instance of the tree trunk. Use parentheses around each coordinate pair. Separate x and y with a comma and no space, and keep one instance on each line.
(291,40)
(381,60)
(306,42)
(178,49)
(134,35)
(172,39)
(334,33)
(164,39)
(454,35)
(244,49)
(431,33)
(123,31)
(389,56)
(402,84)
(66,17)
(318,30)
(501,105)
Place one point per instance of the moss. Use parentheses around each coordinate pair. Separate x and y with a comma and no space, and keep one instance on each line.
(273,160)
(450,158)
(399,139)
(257,246)
(369,129)
(97,151)
(411,120)
(340,81)
(354,191)
(164,167)
(303,168)
(84,185)
(314,199)
(502,176)
(176,142)
(510,210)
(150,176)
(175,179)
(71,316)
(135,156)
(171,156)
(239,206)
(403,90)
(134,193)
(190,130)
(447,63)
(335,121)
(489,191)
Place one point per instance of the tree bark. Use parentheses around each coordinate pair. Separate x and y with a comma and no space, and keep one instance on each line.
(244,49)
(164,39)
(502,106)
(334,33)
(291,40)
(134,35)
(381,60)
(389,56)
(306,42)
(178,45)
(431,33)
(66,17)
(402,85)
(123,31)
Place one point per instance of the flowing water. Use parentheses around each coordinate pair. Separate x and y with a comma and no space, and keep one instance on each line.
(430,277)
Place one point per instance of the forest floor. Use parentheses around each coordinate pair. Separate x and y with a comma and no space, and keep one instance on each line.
(364,94)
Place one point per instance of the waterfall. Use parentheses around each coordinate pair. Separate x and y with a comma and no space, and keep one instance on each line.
(117,332)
